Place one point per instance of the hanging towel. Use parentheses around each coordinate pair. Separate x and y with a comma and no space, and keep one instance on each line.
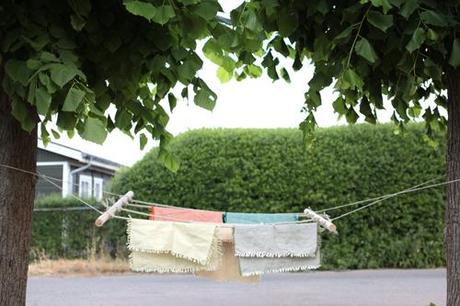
(178,214)
(281,240)
(164,246)
(251,266)
(229,270)
(167,263)
(251,218)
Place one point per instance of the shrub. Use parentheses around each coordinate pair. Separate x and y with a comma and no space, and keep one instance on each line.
(271,171)
(60,233)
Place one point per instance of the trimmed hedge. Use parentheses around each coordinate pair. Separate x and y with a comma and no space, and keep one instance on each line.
(271,171)
(71,233)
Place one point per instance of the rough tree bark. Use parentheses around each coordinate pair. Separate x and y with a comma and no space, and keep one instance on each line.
(453,190)
(17,148)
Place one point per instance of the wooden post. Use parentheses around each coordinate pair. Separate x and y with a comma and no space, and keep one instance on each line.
(322,221)
(225,233)
(112,210)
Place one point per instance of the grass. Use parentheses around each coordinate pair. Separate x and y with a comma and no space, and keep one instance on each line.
(95,264)
(86,267)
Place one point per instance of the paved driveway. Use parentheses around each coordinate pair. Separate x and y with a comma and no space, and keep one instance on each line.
(365,287)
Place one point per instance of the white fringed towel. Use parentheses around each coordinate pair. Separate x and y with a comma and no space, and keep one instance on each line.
(277,248)
(276,240)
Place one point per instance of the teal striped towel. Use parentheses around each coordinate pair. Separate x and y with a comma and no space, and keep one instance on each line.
(255,218)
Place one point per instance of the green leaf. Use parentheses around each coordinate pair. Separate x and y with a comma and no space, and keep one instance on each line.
(168,160)
(142,141)
(187,71)
(66,121)
(38,42)
(42,101)
(409,7)
(285,75)
(140,8)
(364,49)
(250,21)
(48,57)
(205,99)
(365,109)
(73,99)
(432,35)
(351,115)
(56,135)
(66,43)
(345,33)
(18,71)
(77,22)
(351,79)
(255,71)
(189,2)
(62,74)
(386,6)
(223,75)
(81,7)
(33,64)
(172,101)
(163,14)
(454,59)
(184,93)
(94,130)
(123,119)
(207,10)
(287,22)
(434,18)
(418,37)
(377,19)
(313,98)
(339,106)
(19,110)
(45,80)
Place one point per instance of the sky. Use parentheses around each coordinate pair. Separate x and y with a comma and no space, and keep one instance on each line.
(251,103)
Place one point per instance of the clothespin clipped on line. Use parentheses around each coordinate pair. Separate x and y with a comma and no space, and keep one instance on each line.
(321,220)
(112,210)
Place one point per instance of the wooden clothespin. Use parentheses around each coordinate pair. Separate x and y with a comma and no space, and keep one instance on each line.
(112,210)
(321,220)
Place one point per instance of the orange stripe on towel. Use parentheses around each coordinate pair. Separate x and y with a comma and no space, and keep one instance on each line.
(178,214)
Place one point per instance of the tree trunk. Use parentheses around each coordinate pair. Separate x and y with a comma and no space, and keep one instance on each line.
(453,190)
(17,190)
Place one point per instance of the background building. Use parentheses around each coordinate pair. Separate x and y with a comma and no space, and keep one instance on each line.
(73,170)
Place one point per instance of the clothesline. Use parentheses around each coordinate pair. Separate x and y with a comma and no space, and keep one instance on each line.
(143,204)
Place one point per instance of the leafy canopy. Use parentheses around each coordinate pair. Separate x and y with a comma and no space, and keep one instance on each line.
(94,66)
(366,50)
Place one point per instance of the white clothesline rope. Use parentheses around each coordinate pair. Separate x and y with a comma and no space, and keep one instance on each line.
(382,197)
(144,204)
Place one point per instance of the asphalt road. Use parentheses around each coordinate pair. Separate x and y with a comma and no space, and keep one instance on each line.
(365,287)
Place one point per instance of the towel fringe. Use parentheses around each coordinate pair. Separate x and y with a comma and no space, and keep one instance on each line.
(282,270)
(273,255)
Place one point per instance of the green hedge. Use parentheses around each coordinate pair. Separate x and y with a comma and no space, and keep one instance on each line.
(60,233)
(271,171)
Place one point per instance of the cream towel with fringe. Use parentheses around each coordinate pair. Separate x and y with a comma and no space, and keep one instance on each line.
(162,246)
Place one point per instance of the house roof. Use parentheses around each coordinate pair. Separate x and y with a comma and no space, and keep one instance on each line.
(79,155)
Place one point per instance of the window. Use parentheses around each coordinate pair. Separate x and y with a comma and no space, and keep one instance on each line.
(85,186)
(98,187)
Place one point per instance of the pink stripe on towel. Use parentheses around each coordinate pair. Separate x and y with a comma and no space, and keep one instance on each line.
(179,214)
